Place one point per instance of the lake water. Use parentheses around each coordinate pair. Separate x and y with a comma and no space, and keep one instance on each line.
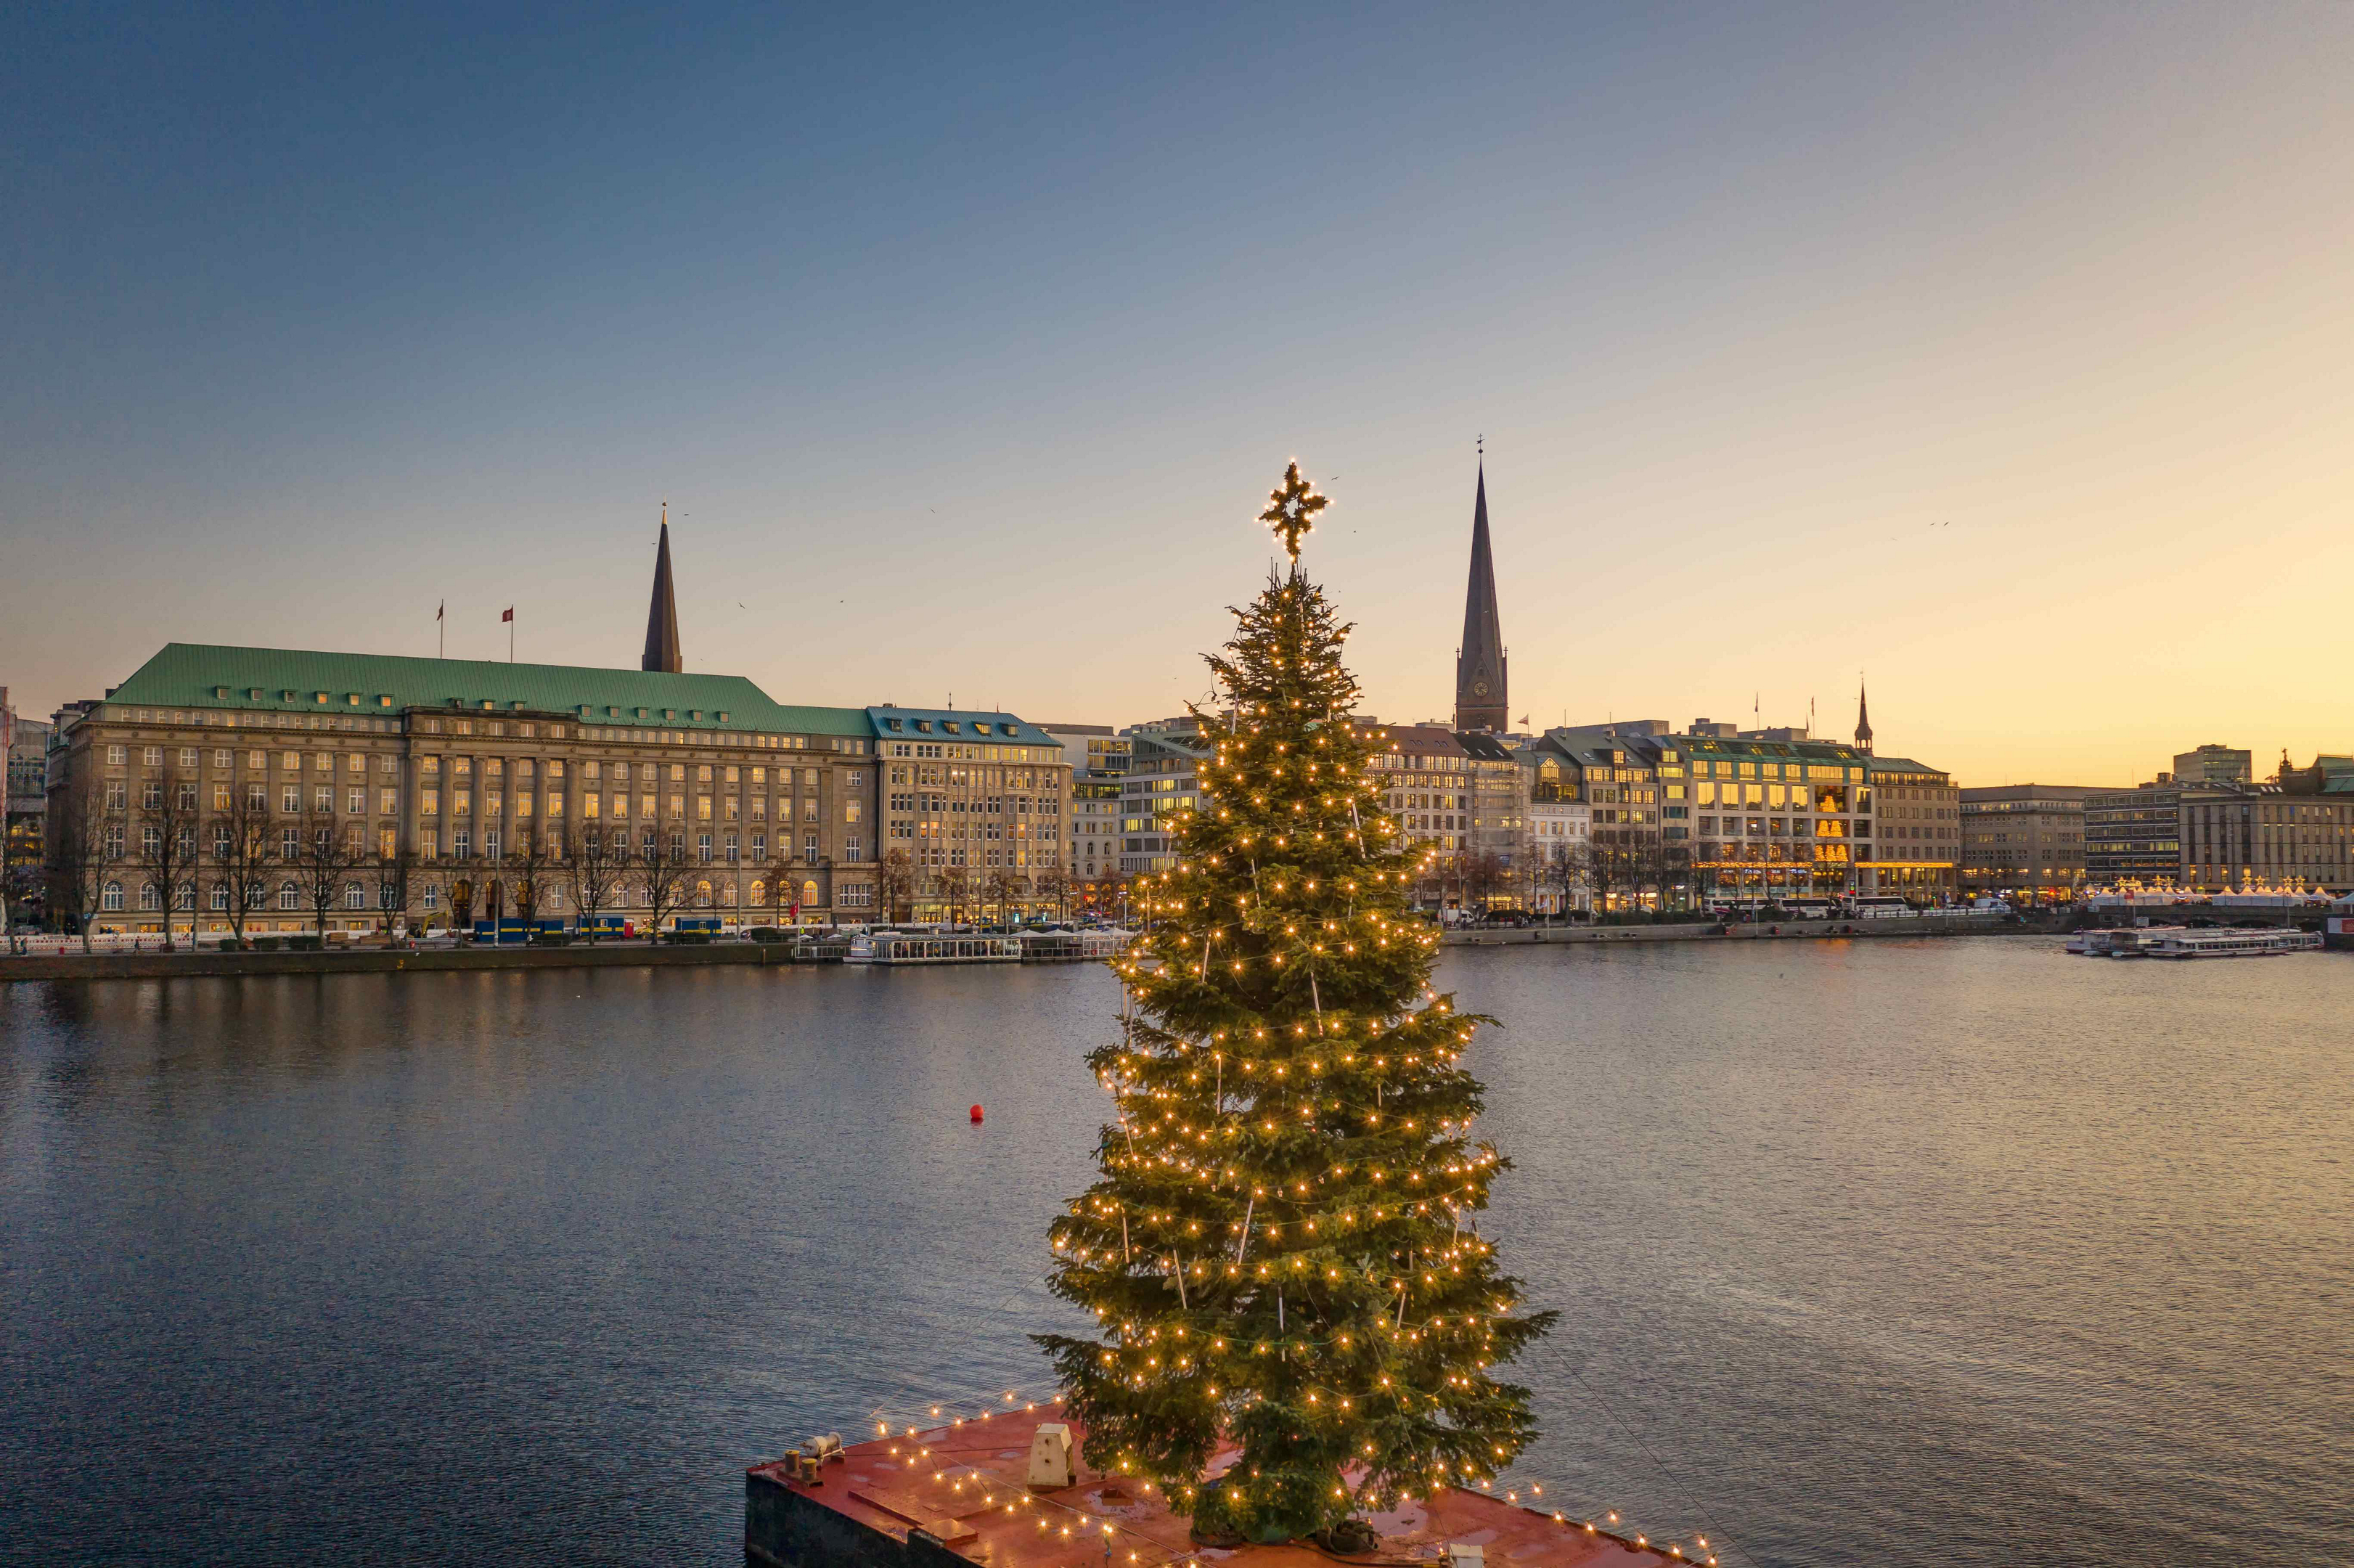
(1954,1252)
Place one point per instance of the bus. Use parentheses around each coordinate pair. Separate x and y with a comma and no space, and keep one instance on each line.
(1879,907)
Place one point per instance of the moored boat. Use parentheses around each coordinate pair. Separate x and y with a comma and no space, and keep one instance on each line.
(2262,944)
(941,946)
(2121,941)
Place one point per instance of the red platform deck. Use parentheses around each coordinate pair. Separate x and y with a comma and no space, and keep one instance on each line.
(921,1498)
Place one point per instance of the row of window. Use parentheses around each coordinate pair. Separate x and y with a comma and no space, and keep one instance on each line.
(225,759)
(250,721)
(732,808)
(1016,857)
(292,897)
(647,772)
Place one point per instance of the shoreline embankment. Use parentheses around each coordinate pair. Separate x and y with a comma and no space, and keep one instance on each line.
(1956,925)
(76,966)
(388,961)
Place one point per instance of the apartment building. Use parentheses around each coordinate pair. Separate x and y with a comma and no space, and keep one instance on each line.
(2024,841)
(1162,784)
(1097,757)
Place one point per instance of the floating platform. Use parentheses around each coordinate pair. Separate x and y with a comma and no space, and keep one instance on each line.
(955,1495)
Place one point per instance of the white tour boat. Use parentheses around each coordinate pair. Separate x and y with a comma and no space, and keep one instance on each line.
(932,947)
(2233,944)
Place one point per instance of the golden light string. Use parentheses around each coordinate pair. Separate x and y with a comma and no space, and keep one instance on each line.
(939,1417)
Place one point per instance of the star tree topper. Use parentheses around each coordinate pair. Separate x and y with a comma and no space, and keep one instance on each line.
(1291,510)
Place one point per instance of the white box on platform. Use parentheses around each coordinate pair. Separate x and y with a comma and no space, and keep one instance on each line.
(1050,1456)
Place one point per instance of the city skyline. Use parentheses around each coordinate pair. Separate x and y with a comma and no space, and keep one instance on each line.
(664,628)
(1999,357)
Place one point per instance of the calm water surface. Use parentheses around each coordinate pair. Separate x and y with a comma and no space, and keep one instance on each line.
(1939,1253)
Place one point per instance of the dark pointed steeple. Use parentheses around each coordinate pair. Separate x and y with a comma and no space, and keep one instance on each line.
(662,617)
(1863,719)
(1480,703)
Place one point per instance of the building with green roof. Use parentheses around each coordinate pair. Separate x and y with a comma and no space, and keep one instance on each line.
(454,791)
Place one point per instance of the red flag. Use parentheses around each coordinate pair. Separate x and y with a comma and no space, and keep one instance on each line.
(509,615)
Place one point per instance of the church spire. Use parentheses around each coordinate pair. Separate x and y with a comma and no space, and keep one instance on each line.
(661,616)
(1480,703)
(1863,719)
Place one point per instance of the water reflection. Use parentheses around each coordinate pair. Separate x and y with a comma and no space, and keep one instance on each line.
(1940,1253)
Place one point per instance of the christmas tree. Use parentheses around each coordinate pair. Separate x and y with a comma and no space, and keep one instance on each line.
(1279,1250)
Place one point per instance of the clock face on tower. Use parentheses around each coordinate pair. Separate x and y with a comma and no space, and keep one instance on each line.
(1478,688)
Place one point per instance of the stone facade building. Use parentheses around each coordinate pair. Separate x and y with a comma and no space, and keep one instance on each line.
(1917,844)
(2024,841)
(977,802)
(455,773)
(2295,832)
(1776,818)
(1553,867)
(1425,780)
(370,790)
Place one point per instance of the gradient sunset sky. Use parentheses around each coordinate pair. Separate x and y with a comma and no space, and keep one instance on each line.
(2004,353)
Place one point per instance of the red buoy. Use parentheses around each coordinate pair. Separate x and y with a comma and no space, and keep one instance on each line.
(976,1113)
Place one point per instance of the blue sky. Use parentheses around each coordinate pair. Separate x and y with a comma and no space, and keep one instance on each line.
(1964,345)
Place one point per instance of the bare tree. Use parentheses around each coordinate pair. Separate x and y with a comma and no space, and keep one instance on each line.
(783,883)
(956,890)
(1663,868)
(394,873)
(324,857)
(997,885)
(1609,866)
(1111,894)
(165,849)
(1569,869)
(1056,884)
(592,865)
(243,856)
(895,884)
(1483,876)
(667,885)
(531,871)
(85,836)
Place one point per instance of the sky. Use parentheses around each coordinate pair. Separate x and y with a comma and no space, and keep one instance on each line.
(2002,354)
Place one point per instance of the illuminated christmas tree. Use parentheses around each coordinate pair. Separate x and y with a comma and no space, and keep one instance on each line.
(1280,1251)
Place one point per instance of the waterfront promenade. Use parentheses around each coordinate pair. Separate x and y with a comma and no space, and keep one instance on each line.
(49,963)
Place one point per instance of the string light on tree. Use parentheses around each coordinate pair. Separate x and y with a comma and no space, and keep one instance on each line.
(1282,1247)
